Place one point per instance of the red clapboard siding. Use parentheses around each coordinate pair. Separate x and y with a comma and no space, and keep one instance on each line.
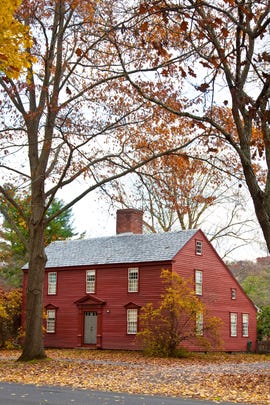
(111,298)
(111,288)
(217,284)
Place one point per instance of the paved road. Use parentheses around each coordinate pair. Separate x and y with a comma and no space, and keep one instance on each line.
(19,394)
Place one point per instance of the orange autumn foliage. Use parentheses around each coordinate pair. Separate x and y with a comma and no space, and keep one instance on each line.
(10,314)
(177,319)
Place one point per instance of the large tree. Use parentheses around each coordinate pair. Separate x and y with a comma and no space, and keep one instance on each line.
(72,117)
(217,78)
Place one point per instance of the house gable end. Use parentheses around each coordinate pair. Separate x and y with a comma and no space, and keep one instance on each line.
(192,239)
(228,270)
(201,236)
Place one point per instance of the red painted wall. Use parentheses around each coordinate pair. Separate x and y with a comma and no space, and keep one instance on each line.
(111,288)
(217,284)
(112,291)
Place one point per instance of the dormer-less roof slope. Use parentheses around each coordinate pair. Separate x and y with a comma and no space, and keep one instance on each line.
(122,248)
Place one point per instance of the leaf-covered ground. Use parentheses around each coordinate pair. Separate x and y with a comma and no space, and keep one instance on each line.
(220,377)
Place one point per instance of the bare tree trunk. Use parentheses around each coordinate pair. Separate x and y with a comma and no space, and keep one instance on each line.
(260,196)
(262,208)
(33,344)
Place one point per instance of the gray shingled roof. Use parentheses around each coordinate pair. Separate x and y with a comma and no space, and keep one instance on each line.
(123,248)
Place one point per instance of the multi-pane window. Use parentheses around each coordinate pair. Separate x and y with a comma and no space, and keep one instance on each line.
(233,293)
(52,279)
(198,247)
(50,327)
(90,281)
(233,319)
(133,279)
(199,324)
(245,322)
(198,282)
(132,321)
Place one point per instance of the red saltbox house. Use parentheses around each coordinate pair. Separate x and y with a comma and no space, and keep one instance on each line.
(94,288)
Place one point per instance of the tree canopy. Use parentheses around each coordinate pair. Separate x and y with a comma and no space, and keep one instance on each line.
(14,40)
(176,192)
(255,279)
(264,323)
(216,80)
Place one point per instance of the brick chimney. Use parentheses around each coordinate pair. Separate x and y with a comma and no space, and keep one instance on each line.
(129,220)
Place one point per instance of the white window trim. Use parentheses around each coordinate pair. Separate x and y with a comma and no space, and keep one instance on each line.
(51,319)
(245,325)
(52,282)
(132,321)
(198,247)
(133,283)
(199,324)
(198,282)
(90,283)
(233,324)
(233,293)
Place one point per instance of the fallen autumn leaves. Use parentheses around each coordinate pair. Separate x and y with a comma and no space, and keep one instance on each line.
(218,377)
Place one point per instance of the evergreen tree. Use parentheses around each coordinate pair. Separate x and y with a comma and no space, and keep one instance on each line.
(14,235)
(263,325)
